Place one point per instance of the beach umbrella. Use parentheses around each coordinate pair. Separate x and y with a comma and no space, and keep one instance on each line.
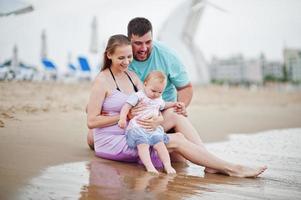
(15,60)
(14,7)
(43,53)
(94,36)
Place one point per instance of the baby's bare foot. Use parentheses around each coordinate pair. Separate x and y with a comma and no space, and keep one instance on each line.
(152,170)
(247,172)
(170,170)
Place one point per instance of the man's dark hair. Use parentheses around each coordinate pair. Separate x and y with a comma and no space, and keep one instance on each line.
(139,26)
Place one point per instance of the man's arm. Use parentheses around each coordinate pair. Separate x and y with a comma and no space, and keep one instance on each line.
(185,94)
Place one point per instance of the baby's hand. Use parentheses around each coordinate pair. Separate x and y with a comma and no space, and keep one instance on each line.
(180,108)
(122,123)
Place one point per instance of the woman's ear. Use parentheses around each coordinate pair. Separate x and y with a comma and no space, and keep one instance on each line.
(109,56)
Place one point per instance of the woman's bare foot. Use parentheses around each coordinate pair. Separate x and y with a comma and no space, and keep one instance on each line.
(247,172)
(211,171)
(170,170)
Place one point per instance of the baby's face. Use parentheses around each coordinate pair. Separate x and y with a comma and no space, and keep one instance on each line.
(153,88)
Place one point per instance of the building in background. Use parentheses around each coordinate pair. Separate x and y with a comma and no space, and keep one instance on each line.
(272,70)
(292,62)
(236,70)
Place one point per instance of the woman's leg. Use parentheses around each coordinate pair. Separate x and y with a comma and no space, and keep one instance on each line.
(144,155)
(200,156)
(164,157)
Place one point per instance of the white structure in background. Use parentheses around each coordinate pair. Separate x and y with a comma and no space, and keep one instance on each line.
(236,70)
(179,31)
(292,62)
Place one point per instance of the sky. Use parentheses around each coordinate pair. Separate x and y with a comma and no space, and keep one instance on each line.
(249,27)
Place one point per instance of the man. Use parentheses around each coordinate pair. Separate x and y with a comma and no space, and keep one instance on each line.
(150,55)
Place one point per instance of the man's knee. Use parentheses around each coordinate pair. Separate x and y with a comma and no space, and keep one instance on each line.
(170,120)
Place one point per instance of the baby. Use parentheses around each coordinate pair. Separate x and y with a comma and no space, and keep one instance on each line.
(141,138)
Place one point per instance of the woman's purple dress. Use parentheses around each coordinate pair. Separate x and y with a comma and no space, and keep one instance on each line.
(110,142)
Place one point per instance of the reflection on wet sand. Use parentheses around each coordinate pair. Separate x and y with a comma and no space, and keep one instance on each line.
(104,179)
(114,180)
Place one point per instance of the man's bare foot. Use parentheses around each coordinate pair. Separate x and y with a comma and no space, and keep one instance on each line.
(247,172)
(170,170)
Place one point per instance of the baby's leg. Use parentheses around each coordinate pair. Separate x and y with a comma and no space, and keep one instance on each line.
(164,156)
(144,154)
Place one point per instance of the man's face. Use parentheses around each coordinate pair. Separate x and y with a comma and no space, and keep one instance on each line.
(142,46)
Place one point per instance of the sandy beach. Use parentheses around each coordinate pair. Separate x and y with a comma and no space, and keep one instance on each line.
(44,155)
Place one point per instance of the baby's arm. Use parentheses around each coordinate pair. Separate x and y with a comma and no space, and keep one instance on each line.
(174,105)
(123,115)
(179,107)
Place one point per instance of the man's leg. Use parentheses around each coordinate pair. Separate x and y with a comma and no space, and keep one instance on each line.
(177,123)
(180,124)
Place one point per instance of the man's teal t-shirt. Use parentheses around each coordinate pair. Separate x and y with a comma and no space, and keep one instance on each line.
(165,60)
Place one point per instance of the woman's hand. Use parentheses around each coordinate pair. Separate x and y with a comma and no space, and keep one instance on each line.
(135,110)
(180,108)
(150,123)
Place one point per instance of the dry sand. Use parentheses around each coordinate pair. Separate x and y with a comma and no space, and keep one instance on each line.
(44,125)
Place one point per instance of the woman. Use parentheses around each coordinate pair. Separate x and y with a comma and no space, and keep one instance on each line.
(110,90)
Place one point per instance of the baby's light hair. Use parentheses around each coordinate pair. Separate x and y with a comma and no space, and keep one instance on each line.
(156,75)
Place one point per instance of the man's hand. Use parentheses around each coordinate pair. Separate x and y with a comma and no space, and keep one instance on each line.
(180,108)
(135,110)
(150,123)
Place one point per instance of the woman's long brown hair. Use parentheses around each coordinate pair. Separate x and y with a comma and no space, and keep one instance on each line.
(113,42)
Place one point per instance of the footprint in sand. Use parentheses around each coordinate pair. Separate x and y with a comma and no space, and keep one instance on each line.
(2,124)
(6,115)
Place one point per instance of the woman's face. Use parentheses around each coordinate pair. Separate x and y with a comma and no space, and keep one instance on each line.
(122,57)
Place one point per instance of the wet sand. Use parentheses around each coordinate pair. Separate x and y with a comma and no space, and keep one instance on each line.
(102,179)
(43,151)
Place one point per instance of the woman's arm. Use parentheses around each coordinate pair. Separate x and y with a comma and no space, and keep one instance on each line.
(98,94)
